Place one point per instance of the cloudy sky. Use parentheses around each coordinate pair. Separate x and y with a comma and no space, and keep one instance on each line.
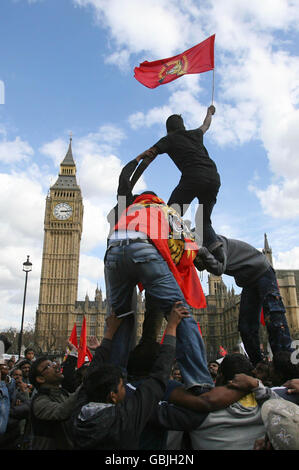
(68,66)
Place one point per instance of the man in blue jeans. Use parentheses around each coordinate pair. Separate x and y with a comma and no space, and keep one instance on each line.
(253,272)
(131,259)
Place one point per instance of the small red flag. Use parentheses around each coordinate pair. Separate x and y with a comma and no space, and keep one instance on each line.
(222,351)
(83,350)
(262,318)
(162,339)
(198,59)
(73,337)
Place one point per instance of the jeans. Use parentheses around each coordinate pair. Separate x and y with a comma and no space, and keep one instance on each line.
(128,265)
(263,293)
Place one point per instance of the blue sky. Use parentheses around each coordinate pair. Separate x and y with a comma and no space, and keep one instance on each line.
(68,65)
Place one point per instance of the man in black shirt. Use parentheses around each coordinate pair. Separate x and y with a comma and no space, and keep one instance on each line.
(200,178)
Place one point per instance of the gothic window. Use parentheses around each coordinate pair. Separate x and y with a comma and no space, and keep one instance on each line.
(92,331)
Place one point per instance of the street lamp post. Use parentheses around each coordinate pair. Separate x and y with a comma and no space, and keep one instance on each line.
(27,267)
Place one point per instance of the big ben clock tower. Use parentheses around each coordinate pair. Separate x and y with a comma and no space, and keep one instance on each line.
(55,315)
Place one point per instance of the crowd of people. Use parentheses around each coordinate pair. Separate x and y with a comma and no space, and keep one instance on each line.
(56,406)
(164,395)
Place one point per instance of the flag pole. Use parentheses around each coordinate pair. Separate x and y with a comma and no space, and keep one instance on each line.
(213,85)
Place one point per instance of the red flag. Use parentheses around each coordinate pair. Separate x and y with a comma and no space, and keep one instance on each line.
(199,328)
(73,336)
(198,59)
(262,318)
(222,351)
(149,214)
(83,350)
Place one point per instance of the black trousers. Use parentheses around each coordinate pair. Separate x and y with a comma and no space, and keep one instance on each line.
(205,190)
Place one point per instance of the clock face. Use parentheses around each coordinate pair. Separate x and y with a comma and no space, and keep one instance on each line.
(62,211)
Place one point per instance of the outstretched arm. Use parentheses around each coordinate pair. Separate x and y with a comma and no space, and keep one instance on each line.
(205,260)
(151,153)
(208,119)
(218,397)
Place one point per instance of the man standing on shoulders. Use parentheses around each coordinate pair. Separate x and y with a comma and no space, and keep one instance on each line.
(200,178)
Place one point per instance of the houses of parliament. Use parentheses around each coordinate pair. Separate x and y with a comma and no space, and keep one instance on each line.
(58,307)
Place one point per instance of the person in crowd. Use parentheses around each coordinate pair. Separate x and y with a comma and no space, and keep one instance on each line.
(52,406)
(25,366)
(110,420)
(199,176)
(176,373)
(284,378)
(9,437)
(213,368)
(181,410)
(19,424)
(281,421)
(253,272)
(238,426)
(23,390)
(109,417)
(4,398)
(29,354)
(263,372)
(10,364)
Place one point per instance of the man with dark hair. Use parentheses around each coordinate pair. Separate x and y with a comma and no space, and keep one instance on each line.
(213,367)
(200,178)
(232,364)
(238,426)
(109,420)
(52,406)
(253,272)
(29,354)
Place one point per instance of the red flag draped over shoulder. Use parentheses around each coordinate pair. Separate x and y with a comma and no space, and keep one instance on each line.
(198,59)
(150,215)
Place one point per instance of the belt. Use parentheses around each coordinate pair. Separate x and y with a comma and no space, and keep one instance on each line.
(127,241)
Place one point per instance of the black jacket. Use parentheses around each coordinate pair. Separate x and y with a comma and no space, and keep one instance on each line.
(102,426)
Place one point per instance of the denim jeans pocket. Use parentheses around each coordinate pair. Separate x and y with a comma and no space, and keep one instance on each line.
(147,259)
(111,264)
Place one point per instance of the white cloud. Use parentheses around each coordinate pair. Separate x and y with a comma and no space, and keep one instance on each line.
(15,150)
(55,150)
(287,259)
(151,27)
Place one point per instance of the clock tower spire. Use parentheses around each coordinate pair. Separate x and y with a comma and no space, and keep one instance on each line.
(55,315)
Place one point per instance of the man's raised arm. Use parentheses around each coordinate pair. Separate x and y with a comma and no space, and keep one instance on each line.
(208,119)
